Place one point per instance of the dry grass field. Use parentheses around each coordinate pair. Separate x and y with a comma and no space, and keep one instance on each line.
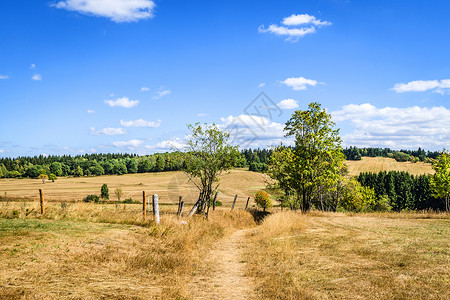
(168,185)
(95,251)
(338,256)
(377,164)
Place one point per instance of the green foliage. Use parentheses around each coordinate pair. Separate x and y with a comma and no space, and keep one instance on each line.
(262,199)
(208,155)
(78,172)
(440,182)
(315,162)
(52,177)
(128,201)
(104,192)
(382,204)
(403,190)
(56,168)
(356,197)
(91,198)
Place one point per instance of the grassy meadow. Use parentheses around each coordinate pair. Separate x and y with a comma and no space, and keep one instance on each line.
(83,250)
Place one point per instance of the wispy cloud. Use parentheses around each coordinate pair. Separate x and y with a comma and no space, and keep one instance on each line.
(122,102)
(288,104)
(90,111)
(422,85)
(299,83)
(37,77)
(202,115)
(128,144)
(262,84)
(161,94)
(4,77)
(144,89)
(295,27)
(33,66)
(409,127)
(140,123)
(108,131)
(116,10)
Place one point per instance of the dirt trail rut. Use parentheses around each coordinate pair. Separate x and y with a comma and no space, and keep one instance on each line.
(228,279)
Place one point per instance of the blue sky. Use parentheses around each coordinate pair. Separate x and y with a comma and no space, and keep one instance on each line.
(84,76)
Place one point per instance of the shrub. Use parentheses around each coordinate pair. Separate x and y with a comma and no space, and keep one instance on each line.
(128,201)
(218,203)
(91,198)
(262,199)
(104,192)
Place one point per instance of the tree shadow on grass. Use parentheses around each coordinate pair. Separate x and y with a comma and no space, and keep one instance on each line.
(258,215)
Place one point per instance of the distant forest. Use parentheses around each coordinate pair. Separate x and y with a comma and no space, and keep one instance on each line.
(118,164)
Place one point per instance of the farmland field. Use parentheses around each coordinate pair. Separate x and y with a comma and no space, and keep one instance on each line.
(168,185)
(377,164)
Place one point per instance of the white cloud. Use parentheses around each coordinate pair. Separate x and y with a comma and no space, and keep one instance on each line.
(249,131)
(144,89)
(33,66)
(122,102)
(140,123)
(128,144)
(116,10)
(168,145)
(422,86)
(262,84)
(299,83)
(108,131)
(37,77)
(161,94)
(295,26)
(295,20)
(410,127)
(201,115)
(4,77)
(90,111)
(2,151)
(288,104)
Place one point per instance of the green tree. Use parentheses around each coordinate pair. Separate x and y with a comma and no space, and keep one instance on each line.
(440,182)
(78,172)
(52,177)
(208,154)
(56,168)
(316,159)
(262,199)
(104,192)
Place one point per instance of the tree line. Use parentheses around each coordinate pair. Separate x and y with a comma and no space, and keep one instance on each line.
(355,153)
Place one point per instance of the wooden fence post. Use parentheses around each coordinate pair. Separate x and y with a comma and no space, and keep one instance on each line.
(179,204)
(214,201)
(180,212)
(41,201)
(246,205)
(234,202)
(156,208)
(144,207)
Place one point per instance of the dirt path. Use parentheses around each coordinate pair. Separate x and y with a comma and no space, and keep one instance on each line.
(227,279)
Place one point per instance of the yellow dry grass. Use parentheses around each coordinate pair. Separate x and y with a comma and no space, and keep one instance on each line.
(88,251)
(378,164)
(168,185)
(338,256)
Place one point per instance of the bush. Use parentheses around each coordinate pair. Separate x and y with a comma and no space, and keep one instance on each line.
(104,192)
(262,199)
(218,203)
(128,201)
(91,198)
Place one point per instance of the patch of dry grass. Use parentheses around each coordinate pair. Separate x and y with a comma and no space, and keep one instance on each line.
(377,164)
(91,251)
(327,255)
